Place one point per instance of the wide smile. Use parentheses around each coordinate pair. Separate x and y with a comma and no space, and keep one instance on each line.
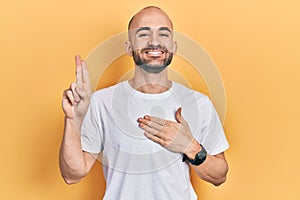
(154,53)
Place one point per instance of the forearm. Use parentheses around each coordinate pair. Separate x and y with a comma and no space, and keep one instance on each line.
(214,169)
(71,158)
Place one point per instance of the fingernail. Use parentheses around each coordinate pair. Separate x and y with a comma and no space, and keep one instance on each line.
(146,117)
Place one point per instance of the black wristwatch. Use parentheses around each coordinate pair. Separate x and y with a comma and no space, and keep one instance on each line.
(199,158)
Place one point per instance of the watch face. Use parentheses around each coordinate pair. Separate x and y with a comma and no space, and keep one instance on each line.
(201,155)
(199,158)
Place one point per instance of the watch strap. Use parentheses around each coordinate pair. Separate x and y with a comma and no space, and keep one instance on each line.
(199,158)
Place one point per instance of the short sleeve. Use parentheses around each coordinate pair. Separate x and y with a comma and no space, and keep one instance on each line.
(212,135)
(91,132)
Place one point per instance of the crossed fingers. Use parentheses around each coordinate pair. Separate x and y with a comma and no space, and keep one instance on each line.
(79,89)
(82,74)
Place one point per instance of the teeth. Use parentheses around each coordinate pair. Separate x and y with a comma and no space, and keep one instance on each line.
(155,53)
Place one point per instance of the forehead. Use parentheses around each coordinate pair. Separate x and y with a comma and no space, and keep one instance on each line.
(151,18)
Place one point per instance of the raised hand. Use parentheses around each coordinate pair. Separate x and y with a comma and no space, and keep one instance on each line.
(76,99)
(175,136)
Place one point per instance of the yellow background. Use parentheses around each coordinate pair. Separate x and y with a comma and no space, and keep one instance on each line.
(255,45)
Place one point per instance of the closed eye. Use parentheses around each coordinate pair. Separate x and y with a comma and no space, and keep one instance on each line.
(164,35)
(143,35)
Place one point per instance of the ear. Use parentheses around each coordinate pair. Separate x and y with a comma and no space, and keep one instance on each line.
(174,47)
(128,47)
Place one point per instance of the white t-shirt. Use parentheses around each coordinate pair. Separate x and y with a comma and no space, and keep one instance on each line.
(135,167)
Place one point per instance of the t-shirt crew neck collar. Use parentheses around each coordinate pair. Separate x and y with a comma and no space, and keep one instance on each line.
(142,95)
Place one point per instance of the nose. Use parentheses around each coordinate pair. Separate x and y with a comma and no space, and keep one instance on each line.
(154,40)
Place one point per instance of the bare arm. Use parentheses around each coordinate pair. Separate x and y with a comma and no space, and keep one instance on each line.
(177,137)
(214,169)
(74,163)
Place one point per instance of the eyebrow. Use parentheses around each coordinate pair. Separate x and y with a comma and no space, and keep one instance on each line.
(146,28)
(143,29)
(164,29)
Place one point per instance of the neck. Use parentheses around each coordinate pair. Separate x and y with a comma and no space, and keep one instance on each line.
(150,83)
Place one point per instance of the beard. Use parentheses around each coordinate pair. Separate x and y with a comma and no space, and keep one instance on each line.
(146,65)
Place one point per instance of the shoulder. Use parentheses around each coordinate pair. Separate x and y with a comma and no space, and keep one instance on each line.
(106,93)
(188,94)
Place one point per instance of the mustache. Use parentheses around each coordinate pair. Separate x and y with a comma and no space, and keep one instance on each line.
(155,48)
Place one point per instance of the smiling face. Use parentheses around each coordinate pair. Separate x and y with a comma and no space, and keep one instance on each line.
(151,40)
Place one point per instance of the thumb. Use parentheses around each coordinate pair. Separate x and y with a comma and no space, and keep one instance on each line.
(178,115)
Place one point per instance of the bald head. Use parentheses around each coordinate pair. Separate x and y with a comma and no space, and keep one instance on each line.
(150,41)
(150,16)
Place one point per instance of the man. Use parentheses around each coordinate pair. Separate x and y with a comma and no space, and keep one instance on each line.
(149,130)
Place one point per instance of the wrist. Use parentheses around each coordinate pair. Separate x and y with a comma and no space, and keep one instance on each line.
(193,149)
(74,122)
(195,154)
